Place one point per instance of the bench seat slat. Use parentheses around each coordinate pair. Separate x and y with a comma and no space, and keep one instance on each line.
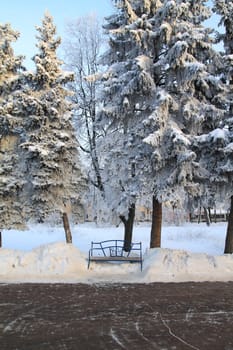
(114,258)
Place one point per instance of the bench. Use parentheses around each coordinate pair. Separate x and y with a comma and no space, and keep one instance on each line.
(113,250)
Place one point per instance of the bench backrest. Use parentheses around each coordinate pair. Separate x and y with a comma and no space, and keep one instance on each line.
(114,248)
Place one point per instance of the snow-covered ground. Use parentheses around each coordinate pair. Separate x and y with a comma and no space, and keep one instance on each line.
(191,252)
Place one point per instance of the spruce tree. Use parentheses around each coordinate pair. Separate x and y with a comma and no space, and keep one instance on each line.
(161,89)
(223,137)
(184,73)
(127,97)
(215,146)
(11,127)
(54,177)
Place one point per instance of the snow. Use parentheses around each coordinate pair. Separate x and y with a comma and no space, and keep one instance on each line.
(144,62)
(218,134)
(191,252)
(229,148)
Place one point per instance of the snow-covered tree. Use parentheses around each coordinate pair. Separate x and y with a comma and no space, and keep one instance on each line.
(53,169)
(216,146)
(186,104)
(11,121)
(82,47)
(127,98)
(161,89)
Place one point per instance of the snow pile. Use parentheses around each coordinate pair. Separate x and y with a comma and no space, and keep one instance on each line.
(167,265)
(197,259)
(55,262)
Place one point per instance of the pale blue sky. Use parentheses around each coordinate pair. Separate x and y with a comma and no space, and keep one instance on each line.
(24,15)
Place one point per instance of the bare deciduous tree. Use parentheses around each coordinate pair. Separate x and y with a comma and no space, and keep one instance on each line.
(82,49)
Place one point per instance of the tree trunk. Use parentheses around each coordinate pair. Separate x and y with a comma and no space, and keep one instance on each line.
(210,215)
(66,226)
(229,235)
(128,226)
(156,226)
(207,216)
(0,239)
(199,216)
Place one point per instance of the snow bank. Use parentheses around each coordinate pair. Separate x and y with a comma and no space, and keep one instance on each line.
(167,265)
(61,262)
(52,262)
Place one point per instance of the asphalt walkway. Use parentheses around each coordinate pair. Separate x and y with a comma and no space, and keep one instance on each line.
(163,316)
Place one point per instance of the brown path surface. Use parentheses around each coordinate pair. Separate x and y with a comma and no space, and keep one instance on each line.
(155,316)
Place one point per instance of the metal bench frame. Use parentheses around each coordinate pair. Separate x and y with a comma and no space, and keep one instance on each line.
(113,250)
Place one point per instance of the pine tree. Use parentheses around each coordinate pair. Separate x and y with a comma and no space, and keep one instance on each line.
(162,89)
(11,121)
(54,177)
(184,73)
(215,146)
(222,157)
(128,93)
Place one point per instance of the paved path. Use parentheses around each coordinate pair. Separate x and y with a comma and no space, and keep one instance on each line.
(163,316)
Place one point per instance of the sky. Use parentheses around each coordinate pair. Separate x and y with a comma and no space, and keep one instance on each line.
(24,15)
